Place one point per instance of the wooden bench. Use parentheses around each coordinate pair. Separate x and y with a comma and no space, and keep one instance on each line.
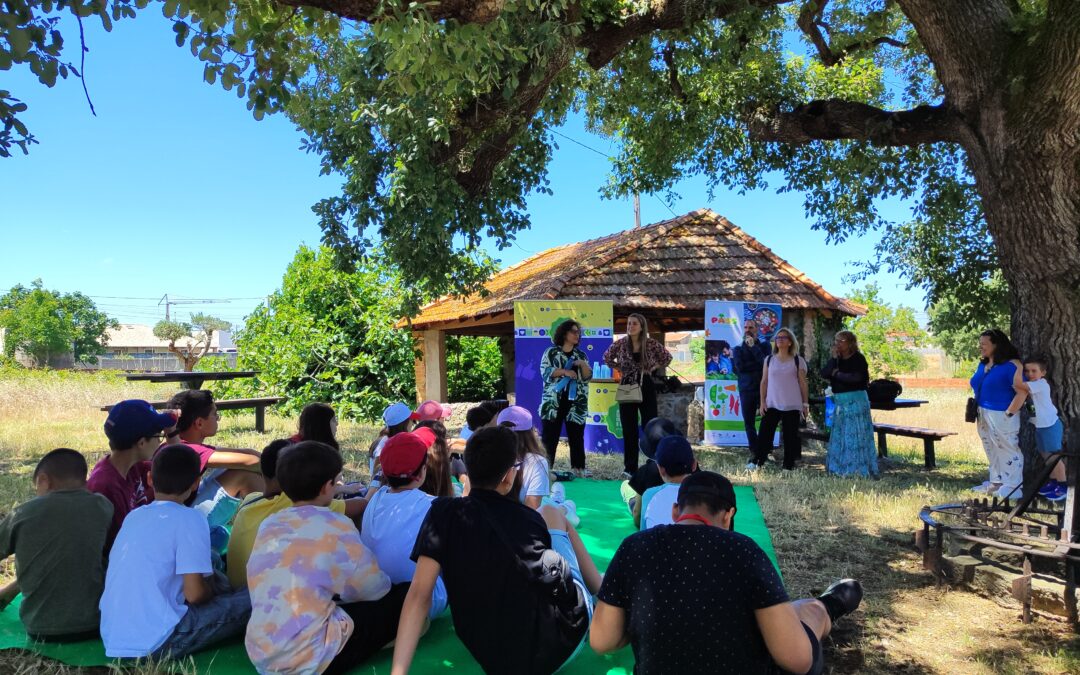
(928,436)
(259,404)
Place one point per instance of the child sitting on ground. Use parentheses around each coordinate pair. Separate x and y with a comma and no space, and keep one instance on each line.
(317,422)
(1048,428)
(438,482)
(398,418)
(58,538)
(675,459)
(535,481)
(134,430)
(228,474)
(260,505)
(518,581)
(306,559)
(158,601)
(396,511)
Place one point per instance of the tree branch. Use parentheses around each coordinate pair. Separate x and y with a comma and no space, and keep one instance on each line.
(810,23)
(370,11)
(673,71)
(835,119)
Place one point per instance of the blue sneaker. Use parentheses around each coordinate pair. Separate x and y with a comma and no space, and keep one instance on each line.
(1059,494)
(1049,488)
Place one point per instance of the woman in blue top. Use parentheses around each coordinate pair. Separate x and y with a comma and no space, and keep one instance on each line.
(998,393)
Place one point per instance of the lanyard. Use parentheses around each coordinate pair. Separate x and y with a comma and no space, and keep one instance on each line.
(693,516)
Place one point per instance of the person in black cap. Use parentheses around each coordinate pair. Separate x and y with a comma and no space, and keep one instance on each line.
(696,597)
(648,474)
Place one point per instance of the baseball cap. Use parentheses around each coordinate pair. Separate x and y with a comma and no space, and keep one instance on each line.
(466,433)
(708,483)
(674,455)
(656,429)
(403,455)
(396,413)
(518,418)
(130,420)
(433,410)
(425,434)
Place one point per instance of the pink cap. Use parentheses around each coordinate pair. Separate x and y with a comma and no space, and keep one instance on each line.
(432,410)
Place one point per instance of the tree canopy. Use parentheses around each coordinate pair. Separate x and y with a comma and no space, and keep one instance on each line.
(958,320)
(887,336)
(190,340)
(45,324)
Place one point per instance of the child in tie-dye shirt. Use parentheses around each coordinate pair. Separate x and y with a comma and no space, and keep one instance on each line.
(303,557)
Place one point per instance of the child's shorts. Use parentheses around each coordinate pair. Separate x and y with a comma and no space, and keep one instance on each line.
(213,501)
(1048,439)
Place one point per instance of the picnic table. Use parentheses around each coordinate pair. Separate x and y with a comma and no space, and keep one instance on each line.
(928,436)
(191,380)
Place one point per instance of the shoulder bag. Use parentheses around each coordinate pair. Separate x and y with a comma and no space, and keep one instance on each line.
(971,412)
(629,393)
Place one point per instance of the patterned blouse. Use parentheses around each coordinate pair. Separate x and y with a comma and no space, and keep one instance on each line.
(620,356)
(554,359)
(304,558)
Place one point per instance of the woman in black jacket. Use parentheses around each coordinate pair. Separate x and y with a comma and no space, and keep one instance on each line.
(851,443)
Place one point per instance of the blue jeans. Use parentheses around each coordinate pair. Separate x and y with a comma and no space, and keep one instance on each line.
(223,617)
(560,543)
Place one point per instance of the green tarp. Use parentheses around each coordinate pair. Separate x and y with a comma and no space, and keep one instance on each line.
(604,523)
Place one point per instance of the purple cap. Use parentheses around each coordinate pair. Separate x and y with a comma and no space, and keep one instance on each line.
(516,417)
(131,420)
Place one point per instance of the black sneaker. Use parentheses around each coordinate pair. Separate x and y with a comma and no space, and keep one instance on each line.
(842,598)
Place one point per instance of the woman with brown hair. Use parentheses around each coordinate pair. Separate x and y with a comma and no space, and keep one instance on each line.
(437,482)
(637,357)
(851,442)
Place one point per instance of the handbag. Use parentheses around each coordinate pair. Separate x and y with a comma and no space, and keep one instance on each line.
(629,393)
(971,412)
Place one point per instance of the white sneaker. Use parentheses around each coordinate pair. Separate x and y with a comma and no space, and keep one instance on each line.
(982,487)
(558,493)
(1009,492)
(751,466)
(571,512)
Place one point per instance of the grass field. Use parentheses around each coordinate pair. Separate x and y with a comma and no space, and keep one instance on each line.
(823,527)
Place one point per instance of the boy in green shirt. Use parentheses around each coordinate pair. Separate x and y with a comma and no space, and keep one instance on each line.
(58,539)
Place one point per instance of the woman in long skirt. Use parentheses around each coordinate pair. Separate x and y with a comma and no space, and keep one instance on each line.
(851,444)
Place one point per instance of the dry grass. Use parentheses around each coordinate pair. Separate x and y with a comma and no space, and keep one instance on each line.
(823,528)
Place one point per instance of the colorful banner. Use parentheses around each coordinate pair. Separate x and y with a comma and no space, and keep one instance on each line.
(603,426)
(535,322)
(723,332)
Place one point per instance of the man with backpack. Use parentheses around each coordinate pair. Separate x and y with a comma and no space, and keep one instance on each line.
(519,581)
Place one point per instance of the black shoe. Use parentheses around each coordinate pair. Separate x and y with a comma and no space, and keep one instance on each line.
(842,598)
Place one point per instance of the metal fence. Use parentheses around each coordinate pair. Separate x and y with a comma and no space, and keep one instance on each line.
(153,364)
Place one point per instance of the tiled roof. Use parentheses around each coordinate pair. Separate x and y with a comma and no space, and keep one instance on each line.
(138,335)
(674,265)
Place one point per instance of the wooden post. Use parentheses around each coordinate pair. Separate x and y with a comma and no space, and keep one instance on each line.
(430,366)
(506,349)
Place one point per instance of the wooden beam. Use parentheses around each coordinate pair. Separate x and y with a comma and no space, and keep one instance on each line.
(430,366)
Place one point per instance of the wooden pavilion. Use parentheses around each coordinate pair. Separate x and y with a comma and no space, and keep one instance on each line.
(665,271)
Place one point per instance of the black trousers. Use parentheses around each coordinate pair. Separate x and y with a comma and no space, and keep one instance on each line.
(750,400)
(628,415)
(575,435)
(792,443)
(375,625)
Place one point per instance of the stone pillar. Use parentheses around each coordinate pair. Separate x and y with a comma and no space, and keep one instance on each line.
(506,349)
(430,366)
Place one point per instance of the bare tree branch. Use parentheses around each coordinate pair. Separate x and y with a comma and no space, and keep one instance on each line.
(834,119)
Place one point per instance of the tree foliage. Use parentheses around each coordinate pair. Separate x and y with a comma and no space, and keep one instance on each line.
(45,324)
(474,368)
(887,336)
(957,320)
(191,340)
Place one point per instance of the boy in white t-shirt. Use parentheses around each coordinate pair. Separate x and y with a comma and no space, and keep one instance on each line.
(158,600)
(396,511)
(1048,428)
(675,460)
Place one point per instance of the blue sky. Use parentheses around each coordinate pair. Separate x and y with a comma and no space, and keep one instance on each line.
(174,188)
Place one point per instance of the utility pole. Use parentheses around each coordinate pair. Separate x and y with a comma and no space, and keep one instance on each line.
(193,301)
(637,210)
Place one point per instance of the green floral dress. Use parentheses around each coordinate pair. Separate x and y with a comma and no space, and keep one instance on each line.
(555,358)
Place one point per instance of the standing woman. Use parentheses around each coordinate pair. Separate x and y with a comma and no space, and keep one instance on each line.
(999,395)
(566,373)
(637,357)
(783,400)
(851,443)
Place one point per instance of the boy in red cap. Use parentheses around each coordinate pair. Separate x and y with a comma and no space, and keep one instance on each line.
(396,510)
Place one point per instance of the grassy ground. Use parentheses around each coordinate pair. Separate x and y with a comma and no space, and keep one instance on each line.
(823,527)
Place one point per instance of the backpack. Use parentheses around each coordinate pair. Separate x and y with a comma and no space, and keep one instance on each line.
(883,391)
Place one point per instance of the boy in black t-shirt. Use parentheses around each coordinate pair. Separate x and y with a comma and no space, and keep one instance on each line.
(518,581)
(695,597)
